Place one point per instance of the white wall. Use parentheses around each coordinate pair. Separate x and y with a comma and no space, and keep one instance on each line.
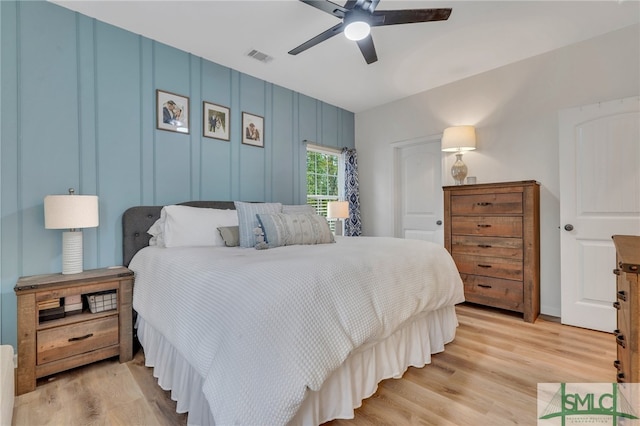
(515,110)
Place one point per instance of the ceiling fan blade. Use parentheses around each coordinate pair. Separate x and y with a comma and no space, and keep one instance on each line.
(368,49)
(328,7)
(410,16)
(349,4)
(336,29)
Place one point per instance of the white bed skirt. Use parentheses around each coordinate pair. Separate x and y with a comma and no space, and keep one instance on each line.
(342,392)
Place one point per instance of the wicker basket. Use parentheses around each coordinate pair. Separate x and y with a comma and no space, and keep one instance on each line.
(105,301)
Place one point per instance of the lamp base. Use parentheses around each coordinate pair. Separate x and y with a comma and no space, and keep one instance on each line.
(459,170)
(339,225)
(72,252)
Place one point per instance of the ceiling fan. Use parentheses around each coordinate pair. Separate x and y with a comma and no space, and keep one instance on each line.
(358,16)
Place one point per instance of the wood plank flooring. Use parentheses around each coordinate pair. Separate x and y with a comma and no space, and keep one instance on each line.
(487,376)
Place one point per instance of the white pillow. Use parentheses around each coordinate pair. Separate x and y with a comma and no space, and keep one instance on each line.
(192,226)
(157,230)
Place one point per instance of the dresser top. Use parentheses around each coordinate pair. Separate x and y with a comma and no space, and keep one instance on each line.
(492,185)
(628,249)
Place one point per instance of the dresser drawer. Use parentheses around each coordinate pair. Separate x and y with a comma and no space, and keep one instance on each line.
(505,294)
(498,267)
(490,226)
(497,203)
(65,341)
(487,246)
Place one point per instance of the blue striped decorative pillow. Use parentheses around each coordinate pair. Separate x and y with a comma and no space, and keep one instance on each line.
(282,229)
(248,221)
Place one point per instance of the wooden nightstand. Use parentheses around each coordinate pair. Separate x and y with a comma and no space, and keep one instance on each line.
(49,346)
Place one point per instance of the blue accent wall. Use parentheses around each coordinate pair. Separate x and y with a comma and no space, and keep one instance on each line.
(78,110)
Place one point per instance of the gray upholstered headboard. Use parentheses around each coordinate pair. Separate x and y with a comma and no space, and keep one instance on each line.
(137,220)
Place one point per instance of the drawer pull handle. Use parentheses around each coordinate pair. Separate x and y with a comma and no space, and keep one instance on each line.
(75,339)
(616,305)
(484,266)
(617,364)
(620,377)
(484,285)
(620,340)
(483,225)
(622,295)
(484,245)
(616,271)
(484,204)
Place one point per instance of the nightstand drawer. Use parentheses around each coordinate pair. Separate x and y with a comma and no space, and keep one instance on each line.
(496,203)
(490,226)
(509,269)
(487,246)
(63,342)
(505,294)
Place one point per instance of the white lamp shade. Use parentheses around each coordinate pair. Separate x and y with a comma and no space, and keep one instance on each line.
(338,209)
(70,211)
(459,138)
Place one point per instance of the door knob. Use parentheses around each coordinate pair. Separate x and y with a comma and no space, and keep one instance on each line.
(568,227)
(438,222)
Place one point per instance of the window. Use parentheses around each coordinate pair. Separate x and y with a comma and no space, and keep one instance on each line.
(325,180)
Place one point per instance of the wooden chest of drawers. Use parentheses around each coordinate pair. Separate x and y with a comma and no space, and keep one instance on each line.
(492,231)
(48,346)
(628,307)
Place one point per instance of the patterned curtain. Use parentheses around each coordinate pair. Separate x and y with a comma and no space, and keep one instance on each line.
(353,225)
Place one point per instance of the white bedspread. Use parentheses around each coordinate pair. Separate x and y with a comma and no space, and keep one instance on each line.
(262,326)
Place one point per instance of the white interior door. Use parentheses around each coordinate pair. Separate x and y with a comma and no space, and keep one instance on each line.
(599,197)
(418,189)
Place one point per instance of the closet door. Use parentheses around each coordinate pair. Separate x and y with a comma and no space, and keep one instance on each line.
(418,190)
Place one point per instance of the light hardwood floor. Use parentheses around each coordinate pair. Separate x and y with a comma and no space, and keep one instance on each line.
(487,376)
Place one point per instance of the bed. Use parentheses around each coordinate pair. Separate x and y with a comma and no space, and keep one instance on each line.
(296,334)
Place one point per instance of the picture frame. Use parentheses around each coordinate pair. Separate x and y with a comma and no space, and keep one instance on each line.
(172,112)
(252,130)
(216,121)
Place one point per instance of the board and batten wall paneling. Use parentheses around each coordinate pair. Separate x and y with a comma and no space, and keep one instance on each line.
(79,110)
(48,148)
(172,149)
(282,146)
(9,219)
(252,159)
(215,154)
(117,109)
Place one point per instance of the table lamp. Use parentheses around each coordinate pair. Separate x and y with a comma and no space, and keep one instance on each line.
(338,210)
(459,139)
(72,212)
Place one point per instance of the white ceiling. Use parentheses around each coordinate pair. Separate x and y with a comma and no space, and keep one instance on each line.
(479,36)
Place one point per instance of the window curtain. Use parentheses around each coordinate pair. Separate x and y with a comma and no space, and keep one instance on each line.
(353,224)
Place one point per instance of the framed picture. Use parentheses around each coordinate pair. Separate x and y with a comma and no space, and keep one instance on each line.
(252,129)
(215,121)
(172,112)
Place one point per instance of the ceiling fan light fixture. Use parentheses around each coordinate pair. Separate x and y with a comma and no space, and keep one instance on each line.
(357,30)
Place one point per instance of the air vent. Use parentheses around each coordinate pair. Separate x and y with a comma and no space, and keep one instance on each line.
(262,57)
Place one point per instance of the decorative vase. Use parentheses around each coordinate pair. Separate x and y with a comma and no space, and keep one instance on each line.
(459,170)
